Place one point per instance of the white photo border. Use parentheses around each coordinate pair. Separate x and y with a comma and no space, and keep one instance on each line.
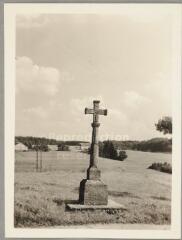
(10,12)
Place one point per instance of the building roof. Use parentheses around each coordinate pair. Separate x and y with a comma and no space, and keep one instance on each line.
(84,144)
(20,146)
(19,143)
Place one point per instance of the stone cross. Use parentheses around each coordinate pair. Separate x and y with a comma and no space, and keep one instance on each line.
(92,190)
(93,172)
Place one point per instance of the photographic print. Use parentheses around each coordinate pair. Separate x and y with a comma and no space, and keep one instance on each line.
(94,99)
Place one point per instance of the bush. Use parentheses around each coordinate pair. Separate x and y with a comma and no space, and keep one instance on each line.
(162,167)
(63,147)
(43,148)
(108,150)
(122,155)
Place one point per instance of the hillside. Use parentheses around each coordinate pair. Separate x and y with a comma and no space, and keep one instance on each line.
(40,197)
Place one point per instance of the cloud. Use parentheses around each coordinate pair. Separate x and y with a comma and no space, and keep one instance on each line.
(36,79)
(106,65)
(134,100)
(37,89)
(117,114)
(40,97)
(79,104)
(160,85)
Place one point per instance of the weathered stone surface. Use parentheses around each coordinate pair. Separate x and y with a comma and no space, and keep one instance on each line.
(96,111)
(93,192)
(93,173)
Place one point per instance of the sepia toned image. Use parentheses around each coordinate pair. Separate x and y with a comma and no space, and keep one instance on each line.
(93,127)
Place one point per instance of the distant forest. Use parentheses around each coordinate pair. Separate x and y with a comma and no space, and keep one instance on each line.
(152,145)
(32,141)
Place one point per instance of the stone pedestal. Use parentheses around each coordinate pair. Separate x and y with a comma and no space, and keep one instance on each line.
(93,173)
(93,192)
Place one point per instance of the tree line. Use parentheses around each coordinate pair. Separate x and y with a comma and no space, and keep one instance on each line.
(111,147)
(42,143)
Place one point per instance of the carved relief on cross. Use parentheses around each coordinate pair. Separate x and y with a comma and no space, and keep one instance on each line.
(93,172)
(96,111)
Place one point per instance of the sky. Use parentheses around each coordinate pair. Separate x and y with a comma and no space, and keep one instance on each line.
(65,61)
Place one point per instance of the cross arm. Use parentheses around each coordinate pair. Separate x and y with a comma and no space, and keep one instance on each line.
(89,111)
(98,111)
(102,112)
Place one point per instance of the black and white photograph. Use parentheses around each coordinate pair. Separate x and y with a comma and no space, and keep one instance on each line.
(93,93)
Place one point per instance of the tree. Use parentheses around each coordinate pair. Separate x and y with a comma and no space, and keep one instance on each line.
(164,125)
(63,147)
(44,148)
(41,147)
(122,155)
(101,146)
(109,150)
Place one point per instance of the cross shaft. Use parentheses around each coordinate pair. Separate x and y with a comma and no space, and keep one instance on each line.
(93,172)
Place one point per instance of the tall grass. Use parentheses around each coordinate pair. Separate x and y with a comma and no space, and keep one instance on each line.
(40,197)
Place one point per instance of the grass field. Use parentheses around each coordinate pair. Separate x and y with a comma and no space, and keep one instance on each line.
(40,197)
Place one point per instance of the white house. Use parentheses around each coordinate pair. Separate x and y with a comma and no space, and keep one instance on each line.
(21,147)
(53,147)
(84,146)
(74,148)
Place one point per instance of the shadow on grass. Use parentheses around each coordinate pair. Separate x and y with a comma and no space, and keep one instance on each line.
(60,202)
(161,198)
(122,194)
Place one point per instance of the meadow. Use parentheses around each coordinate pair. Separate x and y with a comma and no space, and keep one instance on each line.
(41,197)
